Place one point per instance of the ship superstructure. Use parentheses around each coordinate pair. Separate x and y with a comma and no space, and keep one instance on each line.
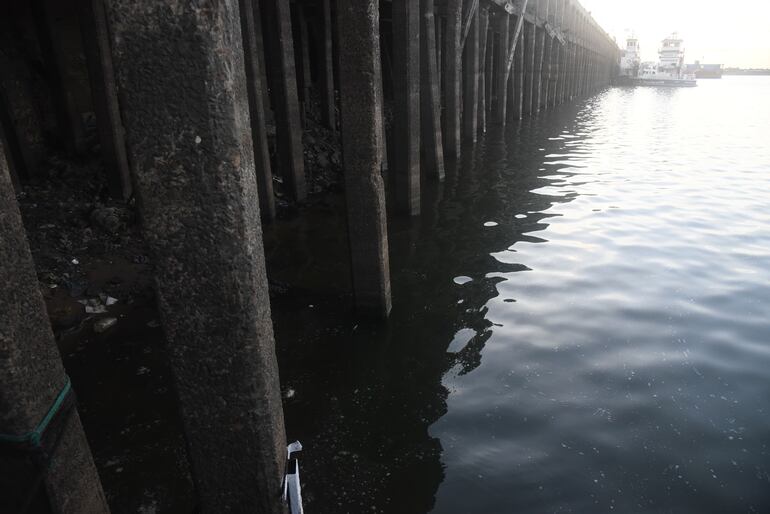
(669,71)
(671,56)
(631,59)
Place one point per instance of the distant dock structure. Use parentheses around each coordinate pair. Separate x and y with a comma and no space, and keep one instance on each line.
(705,71)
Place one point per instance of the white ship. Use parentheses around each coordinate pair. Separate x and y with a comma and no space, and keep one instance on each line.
(669,71)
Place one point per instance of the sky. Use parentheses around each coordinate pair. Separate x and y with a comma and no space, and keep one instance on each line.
(734,33)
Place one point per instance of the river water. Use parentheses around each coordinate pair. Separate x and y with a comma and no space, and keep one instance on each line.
(581,322)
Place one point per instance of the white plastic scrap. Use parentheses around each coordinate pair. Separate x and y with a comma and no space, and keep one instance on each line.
(98,305)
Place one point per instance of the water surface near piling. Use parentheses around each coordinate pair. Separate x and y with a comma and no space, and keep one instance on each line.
(610,351)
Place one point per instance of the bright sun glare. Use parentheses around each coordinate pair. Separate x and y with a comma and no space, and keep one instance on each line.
(733,34)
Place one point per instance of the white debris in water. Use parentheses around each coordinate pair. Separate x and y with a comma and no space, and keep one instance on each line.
(198,140)
(462,279)
(490,224)
(150,508)
(290,393)
(104,324)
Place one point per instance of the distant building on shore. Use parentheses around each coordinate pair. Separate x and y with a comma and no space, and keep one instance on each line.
(705,71)
(747,71)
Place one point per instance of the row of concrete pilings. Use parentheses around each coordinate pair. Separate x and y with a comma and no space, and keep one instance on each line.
(181,103)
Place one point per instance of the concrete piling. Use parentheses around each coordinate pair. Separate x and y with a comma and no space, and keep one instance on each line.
(251,31)
(280,46)
(60,53)
(537,93)
(328,103)
(430,97)
(96,46)
(31,380)
(547,77)
(500,85)
(306,76)
(452,79)
(530,34)
(359,58)
(518,79)
(546,64)
(406,97)
(22,123)
(193,170)
(471,73)
(483,72)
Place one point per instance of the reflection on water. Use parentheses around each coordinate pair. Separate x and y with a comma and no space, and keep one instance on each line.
(580,322)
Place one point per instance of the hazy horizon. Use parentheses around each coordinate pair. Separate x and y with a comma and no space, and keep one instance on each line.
(734,36)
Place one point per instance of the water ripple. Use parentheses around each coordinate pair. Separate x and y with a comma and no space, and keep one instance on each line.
(631,372)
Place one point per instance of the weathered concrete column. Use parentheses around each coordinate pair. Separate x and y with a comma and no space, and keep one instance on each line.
(500,90)
(10,160)
(547,48)
(359,49)
(538,78)
(575,70)
(306,76)
(96,46)
(328,104)
(583,59)
(280,44)
(566,74)
(252,35)
(547,78)
(24,126)
(489,70)
(452,71)
(406,93)
(572,64)
(31,379)
(60,53)
(181,74)
(561,74)
(518,78)
(556,64)
(583,71)
(430,95)
(483,72)
(553,98)
(471,72)
(579,71)
(530,33)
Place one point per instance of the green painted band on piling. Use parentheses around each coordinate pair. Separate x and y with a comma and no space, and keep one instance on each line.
(35,437)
